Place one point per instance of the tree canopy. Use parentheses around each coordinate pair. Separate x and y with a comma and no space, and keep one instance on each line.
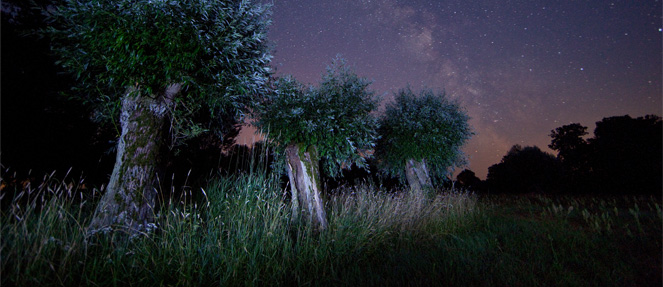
(525,169)
(215,49)
(427,126)
(336,116)
(626,154)
(158,69)
(467,179)
(622,157)
(568,139)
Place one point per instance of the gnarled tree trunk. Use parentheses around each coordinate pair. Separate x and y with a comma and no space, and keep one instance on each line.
(128,203)
(417,176)
(304,175)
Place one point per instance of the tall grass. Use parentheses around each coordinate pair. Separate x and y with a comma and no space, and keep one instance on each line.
(41,232)
(630,215)
(238,231)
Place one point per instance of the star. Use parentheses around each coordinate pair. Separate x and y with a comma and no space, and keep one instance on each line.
(489,57)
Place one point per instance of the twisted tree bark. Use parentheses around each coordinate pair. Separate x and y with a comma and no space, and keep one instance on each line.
(304,175)
(417,176)
(128,203)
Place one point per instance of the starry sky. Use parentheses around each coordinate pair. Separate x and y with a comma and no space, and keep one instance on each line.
(519,67)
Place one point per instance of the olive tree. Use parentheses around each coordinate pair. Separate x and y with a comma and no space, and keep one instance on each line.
(161,72)
(329,126)
(421,138)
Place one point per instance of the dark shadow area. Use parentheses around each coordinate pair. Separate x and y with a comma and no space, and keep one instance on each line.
(42,131)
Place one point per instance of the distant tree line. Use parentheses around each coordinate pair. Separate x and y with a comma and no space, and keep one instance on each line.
(623,157)
(525,169)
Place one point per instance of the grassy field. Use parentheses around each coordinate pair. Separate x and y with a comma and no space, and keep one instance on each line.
(238,231)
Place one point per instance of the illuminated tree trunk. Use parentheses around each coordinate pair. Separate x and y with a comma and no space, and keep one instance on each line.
(304,175)
(417,176)
(128,203)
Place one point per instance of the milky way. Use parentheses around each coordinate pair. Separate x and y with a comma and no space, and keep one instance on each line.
(520,68)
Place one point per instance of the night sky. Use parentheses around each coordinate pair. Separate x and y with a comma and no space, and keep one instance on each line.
(520,68)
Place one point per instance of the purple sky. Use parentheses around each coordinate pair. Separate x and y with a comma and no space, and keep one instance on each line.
(520,68)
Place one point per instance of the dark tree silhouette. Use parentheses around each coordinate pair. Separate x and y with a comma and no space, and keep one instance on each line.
(467,179)
(525,170)
(573,151)
(626,154)
(568,141)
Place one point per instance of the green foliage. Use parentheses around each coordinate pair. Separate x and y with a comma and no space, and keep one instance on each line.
(335,116)
(216,49)
(428,126)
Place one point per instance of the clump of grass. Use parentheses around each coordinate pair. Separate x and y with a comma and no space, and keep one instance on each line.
(365,208)
(238,231)
(622,215)
(42,231)
(623,230)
